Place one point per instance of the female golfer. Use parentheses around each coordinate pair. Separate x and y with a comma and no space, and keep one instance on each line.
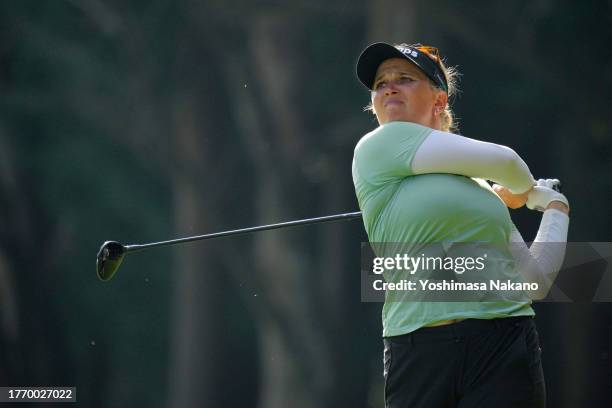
(416,182)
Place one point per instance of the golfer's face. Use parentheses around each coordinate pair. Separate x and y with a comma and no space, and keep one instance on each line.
(402,92)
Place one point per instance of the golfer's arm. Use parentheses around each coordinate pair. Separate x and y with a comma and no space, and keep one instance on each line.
(542,261)
(444,152)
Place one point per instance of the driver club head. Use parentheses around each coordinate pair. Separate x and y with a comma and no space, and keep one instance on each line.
(109,258)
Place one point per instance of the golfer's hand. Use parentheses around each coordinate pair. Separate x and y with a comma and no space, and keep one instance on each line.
(511,200)
(544,196)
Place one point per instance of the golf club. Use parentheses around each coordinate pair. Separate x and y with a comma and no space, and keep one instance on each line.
(111,253)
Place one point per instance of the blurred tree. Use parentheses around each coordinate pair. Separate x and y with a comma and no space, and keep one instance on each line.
(143,120)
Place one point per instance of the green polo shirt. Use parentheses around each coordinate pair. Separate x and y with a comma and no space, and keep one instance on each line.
(401,207)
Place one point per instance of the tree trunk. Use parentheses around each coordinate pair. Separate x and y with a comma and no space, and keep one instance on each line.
(192,350)
(393,21)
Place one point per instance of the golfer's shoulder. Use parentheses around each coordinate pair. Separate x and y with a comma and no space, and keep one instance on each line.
(392,136)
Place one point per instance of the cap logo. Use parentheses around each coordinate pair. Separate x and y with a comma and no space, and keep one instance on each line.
(408,51)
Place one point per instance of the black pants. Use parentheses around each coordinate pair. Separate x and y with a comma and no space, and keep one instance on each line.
(474,363)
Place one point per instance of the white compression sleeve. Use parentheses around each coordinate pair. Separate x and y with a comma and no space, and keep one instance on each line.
(541,263)
(444,152)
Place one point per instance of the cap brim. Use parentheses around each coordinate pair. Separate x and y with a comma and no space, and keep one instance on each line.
(371,58)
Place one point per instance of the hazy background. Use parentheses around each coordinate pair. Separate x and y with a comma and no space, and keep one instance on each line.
(141,121)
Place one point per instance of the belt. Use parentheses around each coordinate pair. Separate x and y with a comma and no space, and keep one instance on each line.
(444,322)
(461,327)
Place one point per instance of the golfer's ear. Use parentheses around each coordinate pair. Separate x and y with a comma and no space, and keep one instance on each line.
(441,100)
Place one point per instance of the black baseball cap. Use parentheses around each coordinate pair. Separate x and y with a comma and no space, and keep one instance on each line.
(371,58)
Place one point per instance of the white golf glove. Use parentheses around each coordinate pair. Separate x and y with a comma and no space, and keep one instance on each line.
(543,193)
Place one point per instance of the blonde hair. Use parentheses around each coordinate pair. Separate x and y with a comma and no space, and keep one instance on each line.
(449,122)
